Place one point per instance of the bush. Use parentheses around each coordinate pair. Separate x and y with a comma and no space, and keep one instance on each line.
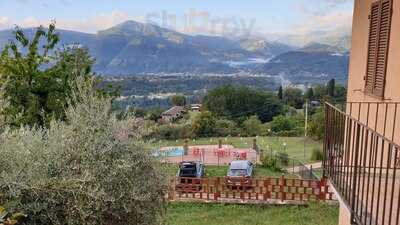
(224,128)
(316,128)
(171,132)
(287,126)
(252,127)
(317,154)
(283,158)
(271,162)
(203,125)
(92,169)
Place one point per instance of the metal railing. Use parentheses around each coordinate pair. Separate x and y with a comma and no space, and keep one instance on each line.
(362,160)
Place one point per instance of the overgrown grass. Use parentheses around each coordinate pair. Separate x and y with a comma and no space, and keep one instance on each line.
(220,214)
(294,145)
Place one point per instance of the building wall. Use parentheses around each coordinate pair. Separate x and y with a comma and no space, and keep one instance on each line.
(359,50)
(385,119)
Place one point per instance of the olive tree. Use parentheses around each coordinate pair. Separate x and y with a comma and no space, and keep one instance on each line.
(89,169)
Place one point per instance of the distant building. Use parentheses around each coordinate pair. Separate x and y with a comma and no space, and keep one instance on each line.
(195,107)
(172,114)
(315,103)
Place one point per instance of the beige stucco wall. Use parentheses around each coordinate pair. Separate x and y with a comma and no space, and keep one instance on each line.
(344,215)
(358,64)
(359,49)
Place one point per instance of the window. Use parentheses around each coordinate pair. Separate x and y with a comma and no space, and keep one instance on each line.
(378,47)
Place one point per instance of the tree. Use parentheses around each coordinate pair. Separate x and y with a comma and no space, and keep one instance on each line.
(319,92)
(224,127)
(38,83)
(203,125)
(282,123)
(294,97)
(309,94)
(178,100)
(330,88)
(253,127)
(280,92)
(154,114)
(287,126)
(238,103)
(316,126)
(84,170)
(340,94)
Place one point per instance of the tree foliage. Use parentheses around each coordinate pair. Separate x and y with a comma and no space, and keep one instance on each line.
(293,97)
(309,95)
(280,93)
(253,127)
(316,127)
(178,100)
(330,88)
(85,171)
(38,83)
(237,103)
(287,125)
(204,125)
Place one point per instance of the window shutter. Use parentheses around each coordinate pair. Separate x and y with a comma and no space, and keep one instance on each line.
(378,47)
(372,47)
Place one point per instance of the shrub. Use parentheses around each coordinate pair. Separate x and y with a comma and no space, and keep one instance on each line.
(271,162)
(317,154)
(92,169)
(252,127)
(316,128)
(203,125)
(171,132)
(225,128)
(287,126)
(283,158)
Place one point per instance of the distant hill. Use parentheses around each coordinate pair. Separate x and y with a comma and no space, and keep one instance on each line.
(339,37)
(263,47)
(135,48)
(314,63)
(318,47)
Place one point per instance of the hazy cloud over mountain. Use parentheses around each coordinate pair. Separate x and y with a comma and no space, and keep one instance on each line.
(207,17)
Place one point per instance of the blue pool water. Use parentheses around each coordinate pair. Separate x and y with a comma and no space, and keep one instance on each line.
(171,152)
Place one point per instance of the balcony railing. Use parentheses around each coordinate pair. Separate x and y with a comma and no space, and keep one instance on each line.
(362,159)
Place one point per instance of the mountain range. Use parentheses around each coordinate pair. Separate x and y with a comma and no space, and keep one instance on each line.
(133,48)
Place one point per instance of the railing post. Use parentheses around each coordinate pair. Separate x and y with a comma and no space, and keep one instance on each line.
(326,140)
(282,188)
(216,188)
(355,172)
(322,189)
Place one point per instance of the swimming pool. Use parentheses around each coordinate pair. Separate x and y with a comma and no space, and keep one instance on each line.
(171,152)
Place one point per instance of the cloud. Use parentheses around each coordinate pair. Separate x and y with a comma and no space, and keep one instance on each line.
(329,21)
(4,22)
(337,2)
(318,7)
(88,25)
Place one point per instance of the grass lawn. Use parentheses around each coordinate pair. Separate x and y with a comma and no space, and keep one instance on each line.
(220,214)
(294,145)
(220,171)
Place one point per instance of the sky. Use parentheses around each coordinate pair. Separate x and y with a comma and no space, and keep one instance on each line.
(190,16)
